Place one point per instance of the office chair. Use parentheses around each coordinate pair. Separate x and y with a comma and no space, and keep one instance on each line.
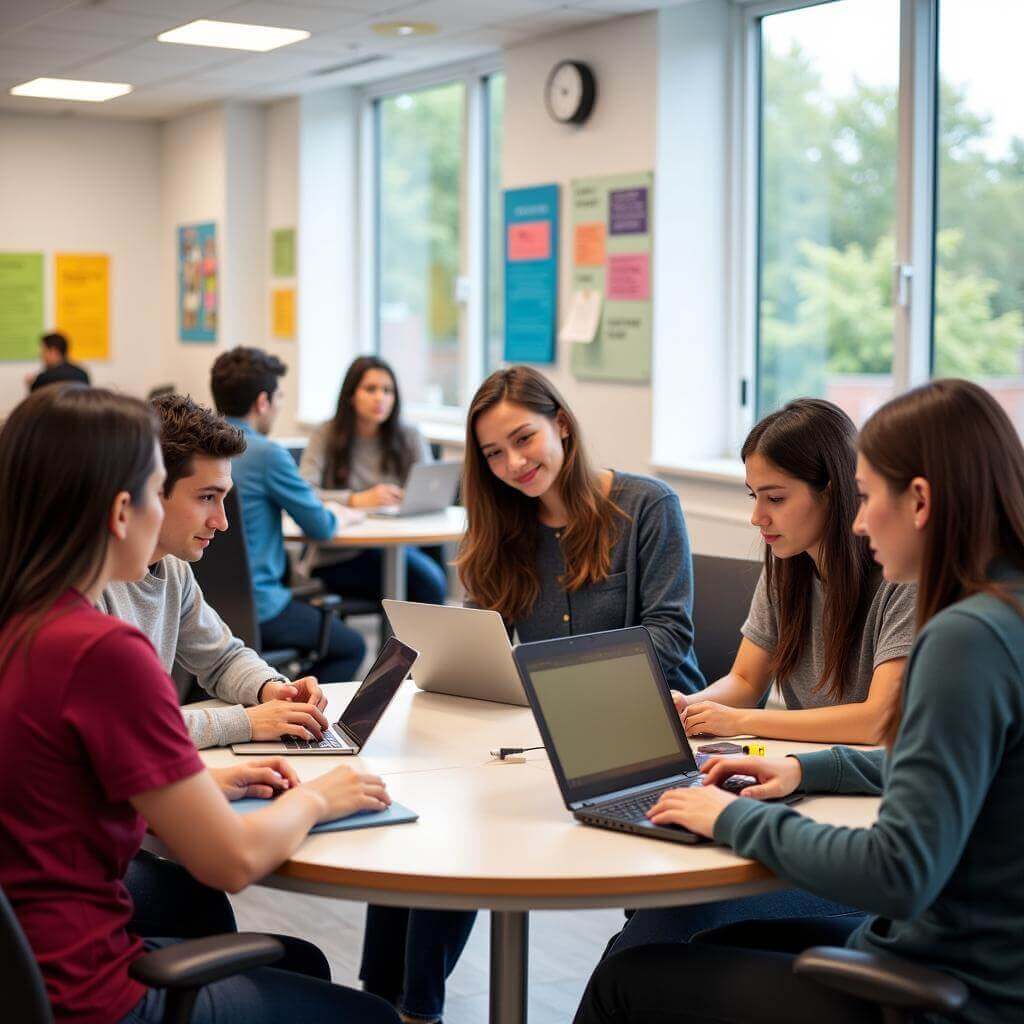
(722,589)
(226,580)
(182,969)
(900,989)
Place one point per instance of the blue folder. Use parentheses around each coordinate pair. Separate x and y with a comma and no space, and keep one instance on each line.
(396,814)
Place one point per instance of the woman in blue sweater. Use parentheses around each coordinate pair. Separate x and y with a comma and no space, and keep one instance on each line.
(941,475)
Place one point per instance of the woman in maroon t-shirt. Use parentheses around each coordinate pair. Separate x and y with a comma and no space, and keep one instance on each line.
(92,743)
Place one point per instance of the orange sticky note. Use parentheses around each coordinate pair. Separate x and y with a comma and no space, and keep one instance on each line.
(283,313)
(529,240)
(589,245)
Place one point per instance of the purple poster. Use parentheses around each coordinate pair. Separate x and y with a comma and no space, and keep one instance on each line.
(627,213)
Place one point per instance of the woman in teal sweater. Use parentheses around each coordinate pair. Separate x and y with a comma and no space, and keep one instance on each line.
(941,475)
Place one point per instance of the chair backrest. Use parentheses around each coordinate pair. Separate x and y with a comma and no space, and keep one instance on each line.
(21,984)
(722,591)
(226,578)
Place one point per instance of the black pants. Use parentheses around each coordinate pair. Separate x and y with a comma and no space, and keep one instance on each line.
(739,974)
(299,626)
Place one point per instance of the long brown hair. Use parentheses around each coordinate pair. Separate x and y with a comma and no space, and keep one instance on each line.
(497,559)
(342,431)
(814,441)
(956,436)
(66,452)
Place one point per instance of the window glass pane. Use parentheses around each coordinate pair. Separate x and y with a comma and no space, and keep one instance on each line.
(420,187)
(979,241)
(495,331)
(828,156)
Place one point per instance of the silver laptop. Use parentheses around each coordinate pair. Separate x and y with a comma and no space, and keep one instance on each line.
(349,734)
(431,487)
(464,652)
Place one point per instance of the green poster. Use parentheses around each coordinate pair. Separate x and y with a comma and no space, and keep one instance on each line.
(611,223)
(283,246)
(21,304)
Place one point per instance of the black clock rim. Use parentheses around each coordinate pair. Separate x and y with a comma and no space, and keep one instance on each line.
(587,98)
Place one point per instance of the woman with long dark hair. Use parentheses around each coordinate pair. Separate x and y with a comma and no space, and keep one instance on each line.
(362,458)
(558,548)
(92,742)
(937,876)
(823,624)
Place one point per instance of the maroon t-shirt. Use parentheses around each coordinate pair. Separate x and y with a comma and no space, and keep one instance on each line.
(88,719)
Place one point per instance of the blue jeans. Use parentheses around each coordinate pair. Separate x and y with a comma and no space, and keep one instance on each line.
(426,581)
(408,955)
(680,924)
(295,989)
(299,626)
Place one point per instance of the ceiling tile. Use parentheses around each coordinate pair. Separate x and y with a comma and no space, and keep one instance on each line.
(15,13)
(56,41)
(183,10)
(312,19)
(97,20)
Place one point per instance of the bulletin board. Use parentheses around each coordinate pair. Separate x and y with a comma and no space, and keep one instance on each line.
(611,238)
(198,282)
(531,273)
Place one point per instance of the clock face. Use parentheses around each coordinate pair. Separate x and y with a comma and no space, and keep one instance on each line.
(570,92)
(565,92)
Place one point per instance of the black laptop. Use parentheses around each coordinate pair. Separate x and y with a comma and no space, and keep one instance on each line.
(610,728)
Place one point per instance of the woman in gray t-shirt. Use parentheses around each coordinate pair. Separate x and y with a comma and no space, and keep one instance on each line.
(823,623)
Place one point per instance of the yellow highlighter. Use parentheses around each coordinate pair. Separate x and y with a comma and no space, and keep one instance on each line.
(754,749)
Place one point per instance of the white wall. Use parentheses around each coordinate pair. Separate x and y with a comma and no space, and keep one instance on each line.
(88,186)
(620,136)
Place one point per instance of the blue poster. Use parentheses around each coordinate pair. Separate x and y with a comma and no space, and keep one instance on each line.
(531,273)
(198,275)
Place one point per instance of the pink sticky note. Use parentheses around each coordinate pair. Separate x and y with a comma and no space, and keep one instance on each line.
(530,240)
(629,277)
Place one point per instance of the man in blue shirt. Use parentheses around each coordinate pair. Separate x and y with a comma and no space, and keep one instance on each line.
(245,386)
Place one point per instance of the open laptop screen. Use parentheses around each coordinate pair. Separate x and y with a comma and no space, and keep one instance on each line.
(377,689)
(606,711)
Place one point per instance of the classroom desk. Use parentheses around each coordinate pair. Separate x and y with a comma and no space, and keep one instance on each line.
(497,836)
(393,535)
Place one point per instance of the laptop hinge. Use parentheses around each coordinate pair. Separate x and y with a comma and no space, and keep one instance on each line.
(348,735)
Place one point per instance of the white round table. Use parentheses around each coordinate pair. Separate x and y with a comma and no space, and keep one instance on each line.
(393,534)
(497,836)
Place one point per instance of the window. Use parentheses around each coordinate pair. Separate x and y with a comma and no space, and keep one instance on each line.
(829,80)
(420,173)
(495,300)
(890,200)
(979,227)
(437,294)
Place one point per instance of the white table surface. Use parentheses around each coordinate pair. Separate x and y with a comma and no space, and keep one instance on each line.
(382,531)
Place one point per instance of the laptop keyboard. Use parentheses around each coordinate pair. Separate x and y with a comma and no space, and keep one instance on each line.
(633,808)
(329,742)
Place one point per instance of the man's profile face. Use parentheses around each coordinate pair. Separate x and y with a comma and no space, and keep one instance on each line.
(194,510)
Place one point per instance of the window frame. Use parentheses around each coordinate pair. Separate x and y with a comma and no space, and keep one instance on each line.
(915,199)
(473,75)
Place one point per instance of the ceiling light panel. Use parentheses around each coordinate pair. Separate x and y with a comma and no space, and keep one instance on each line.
(71,89)
(232,35)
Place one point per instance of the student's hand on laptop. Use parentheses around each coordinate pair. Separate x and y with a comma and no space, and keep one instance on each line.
(264,778)
(375,497)
(679,699)
(776,776)
(345,791)
(707,718)
(304,691)
(277,718)
(696,808)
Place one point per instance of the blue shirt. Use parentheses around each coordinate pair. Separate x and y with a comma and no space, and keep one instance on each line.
(268,481)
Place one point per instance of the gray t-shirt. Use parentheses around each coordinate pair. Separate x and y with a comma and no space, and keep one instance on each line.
(168,606)
(888,634)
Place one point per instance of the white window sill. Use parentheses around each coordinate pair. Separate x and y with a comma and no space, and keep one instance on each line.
(721,471)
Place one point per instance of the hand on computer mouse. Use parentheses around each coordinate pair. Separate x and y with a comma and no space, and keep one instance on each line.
(776,776)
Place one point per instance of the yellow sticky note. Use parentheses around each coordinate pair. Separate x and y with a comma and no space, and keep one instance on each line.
(283,313)
(82,296)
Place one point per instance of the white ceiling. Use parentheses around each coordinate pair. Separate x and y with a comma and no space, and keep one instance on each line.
(115,41)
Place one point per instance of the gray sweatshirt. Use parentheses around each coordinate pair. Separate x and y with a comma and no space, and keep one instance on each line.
(168,606)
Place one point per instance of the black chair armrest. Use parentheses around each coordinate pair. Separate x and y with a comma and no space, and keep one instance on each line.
(199,962)
(883,980)
(328,605)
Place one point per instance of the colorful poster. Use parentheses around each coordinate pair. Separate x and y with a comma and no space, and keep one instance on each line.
(531,273)
(198,282)
(82,295)
(283,252)
(621,206)
(282,313)
(21,304)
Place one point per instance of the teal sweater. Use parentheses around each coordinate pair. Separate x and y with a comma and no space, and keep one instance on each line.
(942,869)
